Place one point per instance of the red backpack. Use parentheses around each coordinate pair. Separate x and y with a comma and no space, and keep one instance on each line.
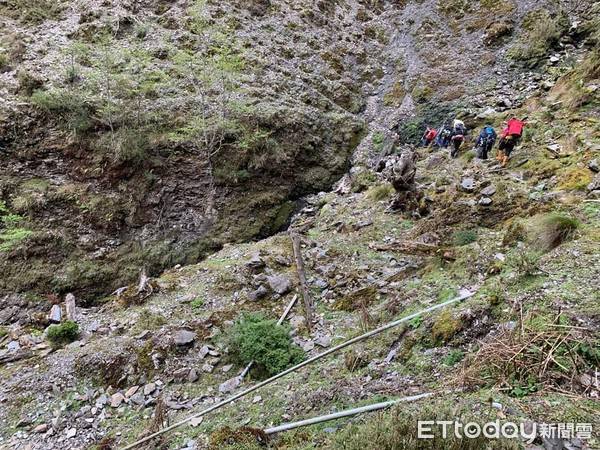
(515,127)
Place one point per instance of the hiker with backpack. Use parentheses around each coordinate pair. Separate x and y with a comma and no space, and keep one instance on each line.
(486,141)
(509,138)
(443,137)
(457,137)
(428,137)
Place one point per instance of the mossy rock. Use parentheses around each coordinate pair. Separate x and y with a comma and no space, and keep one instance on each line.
(575,179)
(515,232)
(445,328)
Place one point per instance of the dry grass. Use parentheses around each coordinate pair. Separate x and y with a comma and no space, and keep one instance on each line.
(554,229)
(540,354)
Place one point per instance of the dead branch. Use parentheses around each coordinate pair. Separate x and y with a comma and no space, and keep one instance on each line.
(308,305)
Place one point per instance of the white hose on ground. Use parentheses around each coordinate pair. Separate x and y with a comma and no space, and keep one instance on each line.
(346,413)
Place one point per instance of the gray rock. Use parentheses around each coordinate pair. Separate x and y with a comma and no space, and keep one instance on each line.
(297,322)
(307,346)
(594,166)
(595,184)
(137,399)
(184,337)
(204,351)
(229,385)
(101,401)
(259,293)
(256,262)
(192,376)
(323,341)
(13,346)
(279,284)
(467,184)
(131,391)
(42,428)
(208,368)
(485,201)
(116,400)
(488,191)
(55,315)
(180,375)
(149,388)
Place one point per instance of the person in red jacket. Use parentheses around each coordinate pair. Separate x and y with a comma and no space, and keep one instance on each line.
(509,138)
(428,137)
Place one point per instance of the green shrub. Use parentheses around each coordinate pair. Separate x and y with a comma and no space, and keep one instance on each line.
(380,192)
(445,327)
(453,357)
(197,303)
(28,82)
(464,237)
(542,32)
(4,64)
(12,237)
(31,11)
(69,105)
(62,334)
(554,229)
(378,139)
(255,338)
(363,180)
(525,263)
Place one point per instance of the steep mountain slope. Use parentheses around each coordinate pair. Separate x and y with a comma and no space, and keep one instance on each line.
(306,86)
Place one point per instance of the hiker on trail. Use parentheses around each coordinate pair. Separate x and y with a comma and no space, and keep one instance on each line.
(457,137)
(443,137)
(428,137)
(486,141)
(509,138)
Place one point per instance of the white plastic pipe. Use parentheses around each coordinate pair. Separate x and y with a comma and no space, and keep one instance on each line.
(346,413)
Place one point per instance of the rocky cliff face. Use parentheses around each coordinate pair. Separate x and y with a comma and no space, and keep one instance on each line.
(108,109)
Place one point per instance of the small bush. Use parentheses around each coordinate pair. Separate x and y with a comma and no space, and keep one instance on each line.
(255,338)
(453,357)
(380,192)
(4,64)
(363,180)
(70,106)
(32,11)
(464,237)
(525,263)
(197,303)
(515,232)
(28,82)
(64,333)
(554,229)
